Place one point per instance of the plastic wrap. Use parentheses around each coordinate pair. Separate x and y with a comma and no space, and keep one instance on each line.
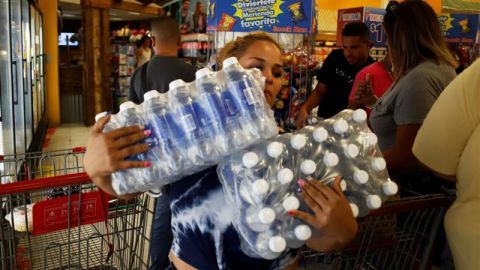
(262,179)
(195,125)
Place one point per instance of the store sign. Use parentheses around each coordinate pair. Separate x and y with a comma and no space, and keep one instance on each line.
(459,28)
(274,16)
(464,5)
(372,17)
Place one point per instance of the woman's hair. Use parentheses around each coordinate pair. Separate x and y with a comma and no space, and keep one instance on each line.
(240,45)
(414,35)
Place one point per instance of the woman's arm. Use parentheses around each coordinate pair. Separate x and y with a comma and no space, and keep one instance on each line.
(332,218)
(106,152)
(400,155)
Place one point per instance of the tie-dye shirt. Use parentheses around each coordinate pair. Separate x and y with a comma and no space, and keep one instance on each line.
(202,227)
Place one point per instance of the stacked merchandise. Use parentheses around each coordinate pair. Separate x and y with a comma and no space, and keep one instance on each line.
(123,65)
(195,125)
(195,47)
(261,181)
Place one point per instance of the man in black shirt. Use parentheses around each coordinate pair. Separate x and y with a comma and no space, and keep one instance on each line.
(156,74)
(165,66)
(335,78)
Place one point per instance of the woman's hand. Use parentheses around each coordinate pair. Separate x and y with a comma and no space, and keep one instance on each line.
(364,93)
(106,152)
(332,216)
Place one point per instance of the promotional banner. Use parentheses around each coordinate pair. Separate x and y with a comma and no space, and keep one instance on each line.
(372,17)
(274,16)
(461,5)
(459,28)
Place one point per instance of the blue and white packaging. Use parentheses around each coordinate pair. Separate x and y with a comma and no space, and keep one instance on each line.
(195,125)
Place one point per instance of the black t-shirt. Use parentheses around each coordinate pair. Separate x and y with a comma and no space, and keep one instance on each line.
(161,70)
(338,75)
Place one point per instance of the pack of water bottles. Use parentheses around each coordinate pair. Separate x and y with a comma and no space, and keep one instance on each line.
(261,180)
(195,125)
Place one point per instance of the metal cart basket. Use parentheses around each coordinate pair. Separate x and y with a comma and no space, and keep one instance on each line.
(53,217)
(400,235)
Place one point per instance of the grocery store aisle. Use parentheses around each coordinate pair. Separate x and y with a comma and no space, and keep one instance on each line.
(66,136)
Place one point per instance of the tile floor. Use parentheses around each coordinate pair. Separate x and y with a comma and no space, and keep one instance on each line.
(66,136)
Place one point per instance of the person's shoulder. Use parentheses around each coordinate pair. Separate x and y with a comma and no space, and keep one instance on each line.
(430,70)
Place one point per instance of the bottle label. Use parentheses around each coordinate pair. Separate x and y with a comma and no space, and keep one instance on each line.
(215,102)
(249,96)
(204,116)
(231,106)
(188,123)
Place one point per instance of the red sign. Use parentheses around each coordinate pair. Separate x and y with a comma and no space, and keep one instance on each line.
(53,215)
(346,16)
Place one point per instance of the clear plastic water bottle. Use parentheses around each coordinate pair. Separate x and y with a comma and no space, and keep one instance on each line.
(156,114)
(254,192)
(130,114)
(112,123)
(259,218)
(296,233)
(224,109)
(243,89)
(185,127)
(270,246)
(326,166)
(127,181)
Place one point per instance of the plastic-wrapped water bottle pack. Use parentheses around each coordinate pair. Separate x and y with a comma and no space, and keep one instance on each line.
(261,181)
(195,125)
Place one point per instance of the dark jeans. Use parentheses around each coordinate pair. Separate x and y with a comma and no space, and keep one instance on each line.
(161,239)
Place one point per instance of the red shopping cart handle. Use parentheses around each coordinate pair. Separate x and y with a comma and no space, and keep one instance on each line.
(44,183)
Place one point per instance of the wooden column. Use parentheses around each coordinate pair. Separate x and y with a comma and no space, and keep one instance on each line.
(96,49)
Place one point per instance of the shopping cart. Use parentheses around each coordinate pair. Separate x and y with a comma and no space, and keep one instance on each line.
(400,235)
(52,217)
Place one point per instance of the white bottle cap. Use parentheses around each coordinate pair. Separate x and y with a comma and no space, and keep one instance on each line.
(230,61)
(260,187)
(303,232)
(373,202)
(100,115)
(343,185)
(355,209)
(340,126)
(390,188)
(291,203)
(285,176)
(176,84)
(371,139)
(379,164)
(360,177)
(277,244)
(359,116)
(202,73)
(298,141)
(308,167)
(352,151)
(320,134)
(274,149)
(330,160)
(151,94)
(250,159)
(266,215)
(127,105)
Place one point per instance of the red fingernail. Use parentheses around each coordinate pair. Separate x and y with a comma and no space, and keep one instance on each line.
(291,213)
(147,132)
(301,182)
(147,164)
